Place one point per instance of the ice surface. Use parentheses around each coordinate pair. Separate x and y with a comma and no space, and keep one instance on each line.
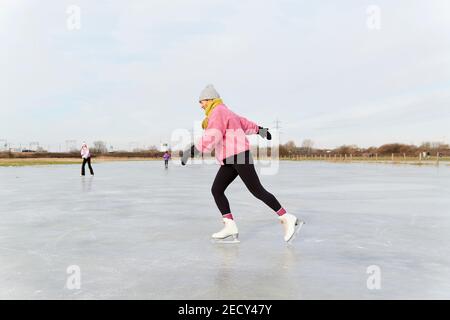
(138,231)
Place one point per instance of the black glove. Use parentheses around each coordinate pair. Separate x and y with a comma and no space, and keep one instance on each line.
(190,152)
(264,132)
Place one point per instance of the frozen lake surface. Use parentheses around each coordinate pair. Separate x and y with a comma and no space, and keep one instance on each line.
(137,231)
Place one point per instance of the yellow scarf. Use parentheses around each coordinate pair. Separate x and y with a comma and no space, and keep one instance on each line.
(212,104)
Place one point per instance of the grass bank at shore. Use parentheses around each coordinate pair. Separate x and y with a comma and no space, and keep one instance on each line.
(19,162)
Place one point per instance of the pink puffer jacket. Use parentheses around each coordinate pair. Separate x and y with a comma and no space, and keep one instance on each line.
(226,133)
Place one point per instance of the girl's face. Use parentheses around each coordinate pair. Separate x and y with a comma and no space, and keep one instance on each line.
(204,103)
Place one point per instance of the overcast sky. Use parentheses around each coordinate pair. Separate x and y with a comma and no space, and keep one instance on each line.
(133,71)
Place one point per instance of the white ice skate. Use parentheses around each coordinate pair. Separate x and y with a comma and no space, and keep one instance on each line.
(229,233)
(291,225)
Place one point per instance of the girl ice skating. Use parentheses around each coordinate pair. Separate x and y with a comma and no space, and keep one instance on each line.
(86,156)
(166,158)
(225,133)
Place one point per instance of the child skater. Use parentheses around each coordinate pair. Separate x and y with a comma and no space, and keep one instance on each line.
(86,156)
(225,133)
(166,158)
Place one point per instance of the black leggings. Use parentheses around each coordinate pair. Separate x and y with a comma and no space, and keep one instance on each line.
(240,165)
(88,161)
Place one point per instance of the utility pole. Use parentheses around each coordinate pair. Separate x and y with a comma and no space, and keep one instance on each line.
(278,128)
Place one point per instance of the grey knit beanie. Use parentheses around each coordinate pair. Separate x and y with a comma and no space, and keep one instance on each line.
(209,93)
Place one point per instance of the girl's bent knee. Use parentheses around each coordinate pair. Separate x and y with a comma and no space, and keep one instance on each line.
(216,191)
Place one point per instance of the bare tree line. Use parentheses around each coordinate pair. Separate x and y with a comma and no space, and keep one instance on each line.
(307,148)
(99,148)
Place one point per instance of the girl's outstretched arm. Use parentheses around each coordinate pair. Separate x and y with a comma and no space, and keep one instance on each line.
(248,126)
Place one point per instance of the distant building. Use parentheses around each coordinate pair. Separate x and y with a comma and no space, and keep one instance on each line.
(164,147)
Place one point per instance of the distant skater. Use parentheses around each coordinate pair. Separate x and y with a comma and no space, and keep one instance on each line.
(225,133)
(86,156)
(166,158)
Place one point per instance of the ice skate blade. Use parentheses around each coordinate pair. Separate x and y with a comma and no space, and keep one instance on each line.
(298,226)
(228,240)
(222,241)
